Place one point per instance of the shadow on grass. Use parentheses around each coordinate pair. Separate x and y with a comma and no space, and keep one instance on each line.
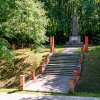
(14,91)
(94,49)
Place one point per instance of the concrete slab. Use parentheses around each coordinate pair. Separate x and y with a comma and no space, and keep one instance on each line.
(70,50)
(50,83)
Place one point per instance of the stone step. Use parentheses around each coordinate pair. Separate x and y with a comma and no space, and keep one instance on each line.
(63,61)
(59,68)
(64,54)
(52,66)
(64,58)
(64,74)
(59,71)
(72,45)
(63,64)
(50,69)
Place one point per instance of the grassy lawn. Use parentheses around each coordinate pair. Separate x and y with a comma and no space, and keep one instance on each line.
(90,77)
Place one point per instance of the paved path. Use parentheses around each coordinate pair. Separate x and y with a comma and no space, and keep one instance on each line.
(69,50)
(50,83)
(4,96)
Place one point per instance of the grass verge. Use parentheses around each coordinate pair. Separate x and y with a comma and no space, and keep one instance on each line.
(83,94)
(90,76)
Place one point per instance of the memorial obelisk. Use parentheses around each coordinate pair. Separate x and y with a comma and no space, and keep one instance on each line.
(75,38)
(75,24)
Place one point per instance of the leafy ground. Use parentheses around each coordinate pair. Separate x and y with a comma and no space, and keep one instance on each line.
(90,77)
(25,60)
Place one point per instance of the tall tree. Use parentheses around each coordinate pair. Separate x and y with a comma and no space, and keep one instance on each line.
(25,17)
(60,13)
(88,17)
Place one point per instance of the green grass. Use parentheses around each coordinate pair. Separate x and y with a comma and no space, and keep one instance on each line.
(83,94)
(90,77)
(86,94)
(78,51)
(95,50)
(59,48)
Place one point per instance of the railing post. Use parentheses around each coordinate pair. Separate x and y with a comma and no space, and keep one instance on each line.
(82,49)
(90,41)
(22,81)
(51,44)
(75,76)
(46,59)
(71,85)
(41,69)
(80,59)
(22,46)
(51,48)
(13,46)
(33,74)
(28,44)
(86,43)
(78,70)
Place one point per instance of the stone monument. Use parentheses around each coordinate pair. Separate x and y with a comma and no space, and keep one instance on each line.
(75,38)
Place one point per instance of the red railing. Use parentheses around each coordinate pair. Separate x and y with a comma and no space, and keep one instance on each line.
(25,80)
(73,82)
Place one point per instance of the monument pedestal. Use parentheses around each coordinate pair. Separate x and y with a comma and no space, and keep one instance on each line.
(75,40)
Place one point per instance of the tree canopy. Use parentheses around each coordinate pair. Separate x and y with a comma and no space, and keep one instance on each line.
(22,17)
(29,18)
(60,13)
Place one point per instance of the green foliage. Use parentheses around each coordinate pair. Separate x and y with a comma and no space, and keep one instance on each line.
(22,18)
(5,53)
(88,17)
(96,39)
(59,20)
(60,13)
